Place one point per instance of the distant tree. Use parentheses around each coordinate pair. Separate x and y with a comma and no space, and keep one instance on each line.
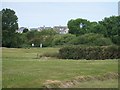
(62,39)
(78,26)
(97,28)
(25,30)
(91,39)
(112,28)
(112,25)
(31,34)
(9,27)
(48,32)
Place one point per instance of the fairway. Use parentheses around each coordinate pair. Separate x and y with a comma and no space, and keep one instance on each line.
(22,68)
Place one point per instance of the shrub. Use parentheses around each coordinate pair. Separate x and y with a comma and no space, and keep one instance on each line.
(91,39)
(116,39)
(102,41)
(62,39)
(91,52)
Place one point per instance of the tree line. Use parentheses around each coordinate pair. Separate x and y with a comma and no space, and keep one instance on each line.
(81,32)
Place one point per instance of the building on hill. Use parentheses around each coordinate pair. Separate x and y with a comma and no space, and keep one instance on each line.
(32,29)
(44,28)
(20,30)
(61,29)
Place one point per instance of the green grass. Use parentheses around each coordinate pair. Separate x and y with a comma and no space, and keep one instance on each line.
(22,69)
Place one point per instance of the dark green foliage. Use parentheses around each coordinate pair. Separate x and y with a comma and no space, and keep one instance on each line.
(47,40)
(82,32)
(78,26)
(91,39)
(62,39)
(48,32)
(84,52)
(37,37)
(112,28)
(97,28)
(112,25)
(109,27)
(9,26)
(31,34)
(24,40)
(116,39)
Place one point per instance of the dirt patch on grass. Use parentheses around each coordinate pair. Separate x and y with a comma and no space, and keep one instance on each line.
(77,80)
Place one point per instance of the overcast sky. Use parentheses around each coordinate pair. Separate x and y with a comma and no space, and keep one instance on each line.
(36,14)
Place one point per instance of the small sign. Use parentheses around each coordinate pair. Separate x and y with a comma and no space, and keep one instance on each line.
(32,44)
(41,45)
(81,25)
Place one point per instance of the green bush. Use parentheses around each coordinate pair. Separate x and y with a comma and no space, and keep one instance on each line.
(91,52)
(102,41)
(91,39)
(116,39)
(62,39)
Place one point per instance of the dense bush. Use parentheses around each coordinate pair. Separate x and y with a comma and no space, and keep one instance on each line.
(84,52)
(62,39)
(91,39)
(116,39)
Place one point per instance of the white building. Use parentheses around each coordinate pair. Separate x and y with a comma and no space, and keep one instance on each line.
(61,29)
(44,28)
(20,30)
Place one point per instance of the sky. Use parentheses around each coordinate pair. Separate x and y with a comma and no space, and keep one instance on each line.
(37,14)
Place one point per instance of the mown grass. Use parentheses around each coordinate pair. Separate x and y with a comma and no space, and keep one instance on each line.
(21,68)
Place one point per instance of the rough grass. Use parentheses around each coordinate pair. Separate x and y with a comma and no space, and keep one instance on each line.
(21,68)
(111,83)
(82,81)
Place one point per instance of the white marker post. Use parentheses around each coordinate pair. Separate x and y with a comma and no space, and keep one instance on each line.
(81,25)
(41,45)
(32,44)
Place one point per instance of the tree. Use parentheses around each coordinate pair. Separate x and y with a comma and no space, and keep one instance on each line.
(9,27)
(78,26)
(112,25)
(112,28)
(37,37)
(32,34)
(48,32)
(97,28)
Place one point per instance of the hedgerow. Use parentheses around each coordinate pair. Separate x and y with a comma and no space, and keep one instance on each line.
(90,52)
